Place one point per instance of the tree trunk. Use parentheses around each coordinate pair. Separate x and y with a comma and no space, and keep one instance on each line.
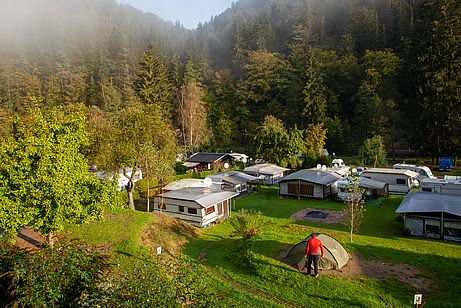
(130,186)
(148,196)
(50,239)
(130,197)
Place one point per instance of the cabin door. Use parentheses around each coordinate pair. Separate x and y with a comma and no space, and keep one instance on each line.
(220,209)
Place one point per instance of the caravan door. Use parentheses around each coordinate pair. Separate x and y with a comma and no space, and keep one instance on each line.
(437,189)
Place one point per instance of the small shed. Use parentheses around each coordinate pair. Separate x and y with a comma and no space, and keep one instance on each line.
(208,161)
(200,206)
(231,180)
(432,215)
(309,183)
(267,174)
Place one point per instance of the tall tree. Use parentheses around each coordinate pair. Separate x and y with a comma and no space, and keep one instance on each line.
(44,175)
(439,67)
(373,152)
(192,116)
(152,84)
(138,137)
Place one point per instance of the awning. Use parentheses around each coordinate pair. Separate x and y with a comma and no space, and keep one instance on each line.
(190,165)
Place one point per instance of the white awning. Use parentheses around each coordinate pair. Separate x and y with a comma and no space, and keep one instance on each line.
(190,165)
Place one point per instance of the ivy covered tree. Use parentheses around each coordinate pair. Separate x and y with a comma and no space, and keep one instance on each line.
(44,176)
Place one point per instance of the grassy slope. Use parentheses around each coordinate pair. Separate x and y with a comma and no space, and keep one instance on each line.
(375,240)
(121,232)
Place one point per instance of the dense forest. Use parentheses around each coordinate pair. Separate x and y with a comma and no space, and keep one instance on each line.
(297,70)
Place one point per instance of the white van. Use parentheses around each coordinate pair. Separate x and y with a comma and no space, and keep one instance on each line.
(423,171)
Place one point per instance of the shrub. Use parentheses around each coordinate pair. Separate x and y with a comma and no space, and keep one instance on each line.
(159,283)
(55,275)
(247,224)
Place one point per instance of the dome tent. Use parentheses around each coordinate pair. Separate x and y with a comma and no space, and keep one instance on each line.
(335,256)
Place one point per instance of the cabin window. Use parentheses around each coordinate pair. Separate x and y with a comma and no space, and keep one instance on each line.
(292,188)
(209,210)
(307,190)
(181,209)
(192,211)
(426,189)
(401,181)
(225,202)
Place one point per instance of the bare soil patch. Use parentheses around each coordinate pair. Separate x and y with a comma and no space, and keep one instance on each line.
(377,269)
(29,239)
(333,217)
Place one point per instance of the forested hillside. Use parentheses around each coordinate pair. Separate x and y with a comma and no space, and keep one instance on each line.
(295,69)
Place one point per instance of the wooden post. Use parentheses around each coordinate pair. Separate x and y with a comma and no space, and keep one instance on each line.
(441,226)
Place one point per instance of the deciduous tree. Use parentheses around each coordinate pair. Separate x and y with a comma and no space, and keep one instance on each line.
(44,176)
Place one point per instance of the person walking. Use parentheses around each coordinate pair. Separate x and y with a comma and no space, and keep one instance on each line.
(312,254)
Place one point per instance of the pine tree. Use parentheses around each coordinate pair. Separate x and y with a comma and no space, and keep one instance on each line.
(152,84)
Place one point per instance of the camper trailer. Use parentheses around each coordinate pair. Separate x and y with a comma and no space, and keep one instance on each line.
(442,186)
(423,171)
(399,181)
(371,189)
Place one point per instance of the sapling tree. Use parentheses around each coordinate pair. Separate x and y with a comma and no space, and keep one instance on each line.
(354,205)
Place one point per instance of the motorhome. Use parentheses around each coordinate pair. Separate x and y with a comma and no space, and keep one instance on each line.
(400,181)
(442,186)
(423,171)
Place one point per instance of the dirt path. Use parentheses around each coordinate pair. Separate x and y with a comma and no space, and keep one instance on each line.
(239,286)
(401,272)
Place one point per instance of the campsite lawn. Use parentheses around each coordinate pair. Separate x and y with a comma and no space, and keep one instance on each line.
(120,235)
(438,261)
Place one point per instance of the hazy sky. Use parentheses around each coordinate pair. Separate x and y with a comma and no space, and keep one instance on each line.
(188,12)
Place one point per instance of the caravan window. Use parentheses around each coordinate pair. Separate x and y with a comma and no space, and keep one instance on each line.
(426,189)
(181,209)
(209,210)
(192,211)
(401,181)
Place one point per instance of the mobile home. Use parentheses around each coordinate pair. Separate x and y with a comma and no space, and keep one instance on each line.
(231,180)
(443,186)
(310,183)
(267,174)
(423,171)
(196,205)
(371,189)
(432,215)
(400,181)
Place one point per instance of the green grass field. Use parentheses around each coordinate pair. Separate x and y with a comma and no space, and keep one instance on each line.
(438,261)
(276,284)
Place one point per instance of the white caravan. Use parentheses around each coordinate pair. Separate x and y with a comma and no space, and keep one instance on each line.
(423,171)
(400,181)
(442,186)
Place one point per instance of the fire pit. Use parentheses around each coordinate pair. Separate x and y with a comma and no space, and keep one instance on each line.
(317,215)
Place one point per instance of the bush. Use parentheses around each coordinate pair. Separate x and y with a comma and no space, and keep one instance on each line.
(52,276)
(247,224)
(159,283)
